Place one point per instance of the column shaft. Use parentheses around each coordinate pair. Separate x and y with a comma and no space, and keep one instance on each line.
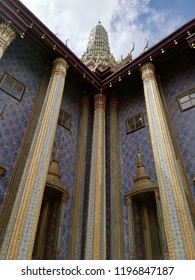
(176,215)
(117,226)
(96,221)
(20,234)
(75,236)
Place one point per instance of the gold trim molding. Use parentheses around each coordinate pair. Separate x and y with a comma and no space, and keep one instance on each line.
(7,35)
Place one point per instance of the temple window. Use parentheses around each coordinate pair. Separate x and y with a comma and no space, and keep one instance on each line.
(64,119)
(11,86)
(134,123)
(187,100)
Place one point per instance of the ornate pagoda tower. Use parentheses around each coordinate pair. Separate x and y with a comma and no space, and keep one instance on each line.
(98,55)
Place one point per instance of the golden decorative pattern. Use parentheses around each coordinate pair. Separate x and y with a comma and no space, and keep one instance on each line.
(7,35)
(96,223)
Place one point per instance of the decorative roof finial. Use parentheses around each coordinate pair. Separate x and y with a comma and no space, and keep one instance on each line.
(146,46)
(132,48)
(142,182)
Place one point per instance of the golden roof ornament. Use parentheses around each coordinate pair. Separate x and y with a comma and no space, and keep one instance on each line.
(54,176)
(98,55)
(142,181)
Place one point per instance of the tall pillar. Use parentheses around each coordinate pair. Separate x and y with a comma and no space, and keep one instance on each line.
(96,221)
(117,226)
(7,35)
(21,230)
(75,237)
(176,213)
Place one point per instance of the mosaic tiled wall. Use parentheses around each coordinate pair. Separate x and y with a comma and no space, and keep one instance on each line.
(177,77)
(68,148)
(131,103)
(26,63)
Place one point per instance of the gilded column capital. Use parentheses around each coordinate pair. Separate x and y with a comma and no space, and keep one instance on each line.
(114,102)
(148,71)
(60,67)
(7,35)
(85,100)
(100,101)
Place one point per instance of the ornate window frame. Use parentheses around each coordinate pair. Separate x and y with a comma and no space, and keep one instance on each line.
(187,98)
(134,123)
(64,119)
(12,86)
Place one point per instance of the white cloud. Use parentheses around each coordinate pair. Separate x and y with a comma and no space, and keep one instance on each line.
(126,21)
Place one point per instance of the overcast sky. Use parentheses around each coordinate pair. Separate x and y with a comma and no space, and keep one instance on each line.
(126,21)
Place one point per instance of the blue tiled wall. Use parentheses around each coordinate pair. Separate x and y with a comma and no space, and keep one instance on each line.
(178,76)
(26,63)
(131,103)
(68,148)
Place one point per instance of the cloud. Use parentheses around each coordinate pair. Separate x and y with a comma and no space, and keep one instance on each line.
(126,21)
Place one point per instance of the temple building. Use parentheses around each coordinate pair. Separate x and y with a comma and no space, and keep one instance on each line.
(96,155)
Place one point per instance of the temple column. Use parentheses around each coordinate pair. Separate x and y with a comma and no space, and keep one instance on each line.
(132,254)
(7,35)
(75,236)
(96,221)
(117,227)
(175,210)
(21,230)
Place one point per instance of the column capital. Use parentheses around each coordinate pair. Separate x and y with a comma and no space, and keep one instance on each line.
(84,100)
(7,35)
(147,70)
(100,101)
(114,102)
(60,67)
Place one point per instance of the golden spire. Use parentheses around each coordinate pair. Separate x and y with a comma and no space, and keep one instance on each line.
(53,176)
(142,181)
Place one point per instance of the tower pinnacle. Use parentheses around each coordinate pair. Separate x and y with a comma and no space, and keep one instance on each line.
(98,55)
